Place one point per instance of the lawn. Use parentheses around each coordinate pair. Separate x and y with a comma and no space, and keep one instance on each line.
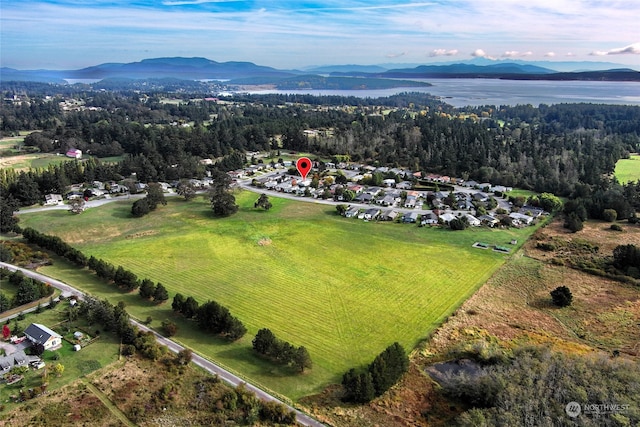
(343,288)
(628,169)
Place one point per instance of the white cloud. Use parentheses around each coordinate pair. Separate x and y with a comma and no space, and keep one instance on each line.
(479,53)
(443,52)
(550,54)
(598,53)
(395,55)
(632,49)
(516,54)
(570,54)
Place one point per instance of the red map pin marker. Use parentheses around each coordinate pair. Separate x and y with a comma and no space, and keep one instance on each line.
(304,166)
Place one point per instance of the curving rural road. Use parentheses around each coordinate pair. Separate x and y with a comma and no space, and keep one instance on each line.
(175,347)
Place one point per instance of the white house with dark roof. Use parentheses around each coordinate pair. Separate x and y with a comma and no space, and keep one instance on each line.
(37,333)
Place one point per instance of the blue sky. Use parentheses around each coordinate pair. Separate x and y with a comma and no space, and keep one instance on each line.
(63,34)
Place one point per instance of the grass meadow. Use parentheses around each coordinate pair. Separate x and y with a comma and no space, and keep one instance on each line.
(343,288)
(628,169)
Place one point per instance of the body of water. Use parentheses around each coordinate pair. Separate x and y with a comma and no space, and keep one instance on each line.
(476,92)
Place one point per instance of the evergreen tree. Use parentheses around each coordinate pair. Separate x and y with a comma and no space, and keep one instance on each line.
(573,222)
(190,308)
(178,302)
(160,294)
(264,341)
(8,206)
(147,288)
(302,359)
(140,208)
(561,296)
(155,196)
(263,202)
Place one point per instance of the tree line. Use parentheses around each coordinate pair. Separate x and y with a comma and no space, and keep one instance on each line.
(385,370)
(282,352)
(210,317)
(27,289)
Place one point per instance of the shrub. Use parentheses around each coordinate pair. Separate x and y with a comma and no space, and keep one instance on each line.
(549,247)
(562,296)
(609,215)
(169,328)
(573,222)
(616,227)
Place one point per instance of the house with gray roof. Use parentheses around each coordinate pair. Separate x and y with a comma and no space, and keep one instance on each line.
(37,333)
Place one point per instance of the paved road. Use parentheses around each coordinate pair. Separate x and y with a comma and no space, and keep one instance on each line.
(175,347)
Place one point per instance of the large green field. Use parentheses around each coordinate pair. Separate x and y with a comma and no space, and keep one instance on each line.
(343,288)
(628,169)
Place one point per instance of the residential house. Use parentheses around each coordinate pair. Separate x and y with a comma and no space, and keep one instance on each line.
(355,188)
(447,217)
(371,214)
(374,191)
(488,220)
(389,215)
(404,185)
(351,212)
(74,153)
(473,221)
(37,333)
(532,210)
(18,358)
(480,196)
(429,218)
(410,217)
(500,189)
(388,200)
(410,202)
(363,198)
(520,219)
(53,199)
(389,182)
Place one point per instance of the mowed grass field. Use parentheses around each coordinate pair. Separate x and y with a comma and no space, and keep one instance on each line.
(343,288)
(628,169)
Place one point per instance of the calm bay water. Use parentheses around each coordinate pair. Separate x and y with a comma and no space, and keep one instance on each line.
(476,92)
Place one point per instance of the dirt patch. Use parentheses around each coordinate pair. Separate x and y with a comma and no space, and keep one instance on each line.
(265,241)
(141,234)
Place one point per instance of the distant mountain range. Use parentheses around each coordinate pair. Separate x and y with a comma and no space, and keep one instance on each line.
(332,76)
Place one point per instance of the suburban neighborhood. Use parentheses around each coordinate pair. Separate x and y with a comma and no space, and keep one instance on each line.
(369,193)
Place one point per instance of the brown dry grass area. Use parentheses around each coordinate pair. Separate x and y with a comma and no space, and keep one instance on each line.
(594,231)
(403,405)
(72,405)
